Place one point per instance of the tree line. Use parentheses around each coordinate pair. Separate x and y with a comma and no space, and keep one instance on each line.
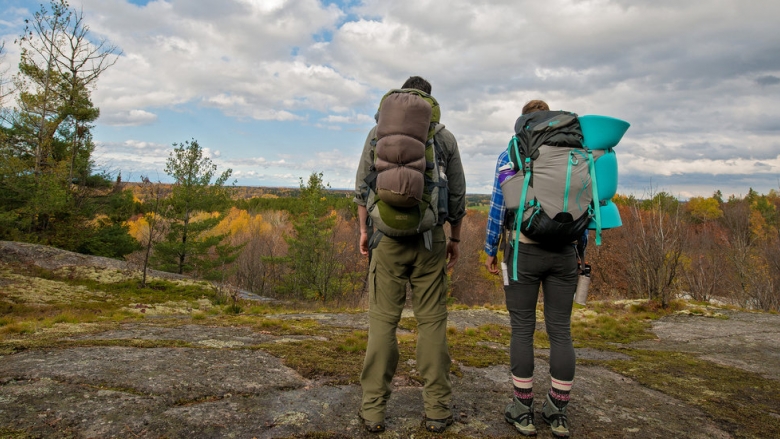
(705,249)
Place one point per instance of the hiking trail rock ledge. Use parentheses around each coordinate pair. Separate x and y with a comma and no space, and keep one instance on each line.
(222,391)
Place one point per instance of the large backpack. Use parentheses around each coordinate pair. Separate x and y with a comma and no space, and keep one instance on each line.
(407,183)
(550,197)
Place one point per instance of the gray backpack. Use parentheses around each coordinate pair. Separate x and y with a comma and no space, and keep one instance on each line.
(550,197)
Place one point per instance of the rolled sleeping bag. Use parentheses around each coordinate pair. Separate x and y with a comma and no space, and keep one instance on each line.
(607,175)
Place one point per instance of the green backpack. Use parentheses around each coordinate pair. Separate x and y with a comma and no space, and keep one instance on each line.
(407,186)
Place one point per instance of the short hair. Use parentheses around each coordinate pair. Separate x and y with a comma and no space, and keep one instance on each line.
(418,83)
(534,106)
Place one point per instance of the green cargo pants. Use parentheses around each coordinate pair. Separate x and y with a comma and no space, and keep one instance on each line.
(394,262)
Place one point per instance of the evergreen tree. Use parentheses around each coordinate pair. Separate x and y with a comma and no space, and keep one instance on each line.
(187,245)
(313,270)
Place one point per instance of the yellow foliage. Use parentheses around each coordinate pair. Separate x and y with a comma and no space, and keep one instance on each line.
(200,216)
(138,228)
(758,226)
(704,209)
(239,225)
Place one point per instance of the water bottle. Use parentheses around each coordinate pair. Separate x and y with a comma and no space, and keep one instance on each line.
(505,172)
(583,284)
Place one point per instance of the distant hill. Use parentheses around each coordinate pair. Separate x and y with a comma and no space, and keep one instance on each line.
(473,201)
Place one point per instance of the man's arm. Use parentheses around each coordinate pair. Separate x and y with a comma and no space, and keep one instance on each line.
(366,160)
(456,185)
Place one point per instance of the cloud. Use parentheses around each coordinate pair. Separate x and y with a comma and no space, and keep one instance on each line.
(233,55)
(698,83)
(136,144)
(353,119)
(129,118)
(767,80)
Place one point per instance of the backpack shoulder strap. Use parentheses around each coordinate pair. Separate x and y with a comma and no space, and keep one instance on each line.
(372,174)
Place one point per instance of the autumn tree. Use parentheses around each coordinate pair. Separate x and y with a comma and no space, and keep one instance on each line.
(751,249)
(187,244)
(469,282)
(654,261)
(702,210)
(261,265)
(153,224)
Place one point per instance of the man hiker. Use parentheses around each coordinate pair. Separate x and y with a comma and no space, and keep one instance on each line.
(418,252)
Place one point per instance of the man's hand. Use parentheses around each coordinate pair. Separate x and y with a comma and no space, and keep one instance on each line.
(491,264)
(364,242)
(453,253)
(362,217)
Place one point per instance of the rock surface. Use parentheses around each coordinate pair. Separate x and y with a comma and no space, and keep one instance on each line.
(227,392)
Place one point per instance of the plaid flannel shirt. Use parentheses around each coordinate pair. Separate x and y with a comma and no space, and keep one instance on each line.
(496,212)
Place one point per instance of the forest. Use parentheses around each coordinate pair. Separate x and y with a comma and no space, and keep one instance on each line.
(301,243)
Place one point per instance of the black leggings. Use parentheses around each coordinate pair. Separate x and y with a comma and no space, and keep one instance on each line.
(556,272)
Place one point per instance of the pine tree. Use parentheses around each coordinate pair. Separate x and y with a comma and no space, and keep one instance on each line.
(313,270)
(187,245)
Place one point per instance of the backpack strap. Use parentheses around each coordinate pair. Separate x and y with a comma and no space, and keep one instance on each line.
(519,216)
(596,201)
(371,177)
(441,163)
(572,161)
(373,241)
(513,150)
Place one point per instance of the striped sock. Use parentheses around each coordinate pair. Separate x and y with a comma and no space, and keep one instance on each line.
(559,392)
(524,390)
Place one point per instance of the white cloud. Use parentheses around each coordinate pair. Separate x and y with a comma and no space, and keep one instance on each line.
(233,55)
(698,82)
(129,118)
(667,167)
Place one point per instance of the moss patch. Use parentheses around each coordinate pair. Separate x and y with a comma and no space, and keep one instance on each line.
(35,300)
(6,433)
(483,346)
(740,400)
(602,323)
(337,360)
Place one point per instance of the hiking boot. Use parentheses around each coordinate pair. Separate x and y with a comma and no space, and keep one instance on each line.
(521,416)
(371,426)
(438,425)
(556,417)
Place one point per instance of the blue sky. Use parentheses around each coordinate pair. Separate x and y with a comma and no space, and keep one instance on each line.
(278,89)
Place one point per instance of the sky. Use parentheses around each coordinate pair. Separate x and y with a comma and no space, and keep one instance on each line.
(278,89)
